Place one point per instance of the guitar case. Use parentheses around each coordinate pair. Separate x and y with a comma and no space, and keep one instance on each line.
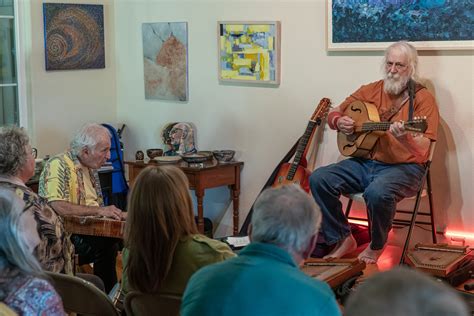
(269,183)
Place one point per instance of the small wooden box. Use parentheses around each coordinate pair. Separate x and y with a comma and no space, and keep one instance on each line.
(334,272)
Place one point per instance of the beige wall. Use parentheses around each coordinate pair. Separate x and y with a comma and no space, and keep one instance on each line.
(59,102)
(260,123)
(263,123)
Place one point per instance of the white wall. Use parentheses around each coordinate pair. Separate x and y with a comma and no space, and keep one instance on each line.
(263,123)
(59,102)
(260,123)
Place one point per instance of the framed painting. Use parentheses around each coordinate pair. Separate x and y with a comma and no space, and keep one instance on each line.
(73,36)
(165,60)
(249,52)
(374,24)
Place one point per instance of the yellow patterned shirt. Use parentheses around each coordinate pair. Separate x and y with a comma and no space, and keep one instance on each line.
(63,179)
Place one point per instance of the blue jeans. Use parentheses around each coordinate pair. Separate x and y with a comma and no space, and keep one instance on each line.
(383,185)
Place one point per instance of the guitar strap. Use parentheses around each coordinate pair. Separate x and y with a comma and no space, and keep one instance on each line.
(413,87)
(411,95)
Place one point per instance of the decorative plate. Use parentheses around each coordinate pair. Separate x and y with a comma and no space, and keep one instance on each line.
(167,159)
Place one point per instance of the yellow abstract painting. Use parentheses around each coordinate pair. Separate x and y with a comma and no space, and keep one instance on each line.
(249,52)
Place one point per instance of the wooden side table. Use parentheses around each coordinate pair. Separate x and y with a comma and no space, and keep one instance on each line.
(201,177)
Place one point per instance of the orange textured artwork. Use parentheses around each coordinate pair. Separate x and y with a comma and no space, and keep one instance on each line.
(165,60)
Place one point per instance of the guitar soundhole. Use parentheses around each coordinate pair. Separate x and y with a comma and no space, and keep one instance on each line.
(348,146)
(354,109)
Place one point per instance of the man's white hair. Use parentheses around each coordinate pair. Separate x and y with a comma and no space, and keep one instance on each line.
(88,136)
(409,51)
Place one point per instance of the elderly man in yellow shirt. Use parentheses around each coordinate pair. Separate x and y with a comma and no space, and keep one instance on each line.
(70,183)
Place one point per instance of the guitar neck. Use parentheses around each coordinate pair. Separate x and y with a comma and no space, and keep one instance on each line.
(375,126)
(302,146)
(382,126)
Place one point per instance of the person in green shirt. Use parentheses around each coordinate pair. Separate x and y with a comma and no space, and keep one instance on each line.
(162,245)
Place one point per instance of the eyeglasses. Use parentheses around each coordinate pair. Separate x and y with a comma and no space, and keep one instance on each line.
(398,66)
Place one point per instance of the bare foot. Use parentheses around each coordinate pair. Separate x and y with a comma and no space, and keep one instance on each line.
(342,248)
(369,255)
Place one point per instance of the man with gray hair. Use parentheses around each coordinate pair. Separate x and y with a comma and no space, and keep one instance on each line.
(392,169)
(70,183)
(265,278)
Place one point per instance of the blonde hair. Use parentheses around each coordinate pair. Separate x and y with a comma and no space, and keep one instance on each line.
(160,213)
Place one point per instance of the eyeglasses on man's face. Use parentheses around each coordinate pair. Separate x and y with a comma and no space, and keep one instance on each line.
(398,66)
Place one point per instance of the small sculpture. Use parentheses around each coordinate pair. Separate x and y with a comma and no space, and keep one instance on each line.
(179,137)
(139,155)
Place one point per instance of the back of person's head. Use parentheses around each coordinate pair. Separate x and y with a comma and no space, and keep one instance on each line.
(15,252)
(402,292)
(13,154)
(409,51)
(160,213)
(89,135)
(287,217)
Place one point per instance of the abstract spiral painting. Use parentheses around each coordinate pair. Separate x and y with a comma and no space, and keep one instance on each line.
(73,36)
(165,60)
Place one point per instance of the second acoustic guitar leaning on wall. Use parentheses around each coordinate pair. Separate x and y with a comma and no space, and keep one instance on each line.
(296,171)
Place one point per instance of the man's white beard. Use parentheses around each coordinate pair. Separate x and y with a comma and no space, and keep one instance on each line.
(394,84)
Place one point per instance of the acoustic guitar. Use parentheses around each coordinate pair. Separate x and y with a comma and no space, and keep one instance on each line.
(296,171)
(368,128)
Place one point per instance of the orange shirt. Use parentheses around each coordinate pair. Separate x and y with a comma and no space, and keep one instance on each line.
(388,148)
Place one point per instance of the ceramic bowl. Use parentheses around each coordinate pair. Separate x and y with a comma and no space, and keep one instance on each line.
(224,155)
(154,152)
(197,157)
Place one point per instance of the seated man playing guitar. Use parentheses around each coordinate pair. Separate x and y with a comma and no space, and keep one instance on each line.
(392,169)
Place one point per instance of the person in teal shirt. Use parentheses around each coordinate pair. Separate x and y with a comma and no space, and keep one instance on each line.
(265,278)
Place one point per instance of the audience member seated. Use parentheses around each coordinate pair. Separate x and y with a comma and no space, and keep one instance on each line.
(401,292)
(265,278)
(162,245)
(70,183)
(17,166)
(22,285)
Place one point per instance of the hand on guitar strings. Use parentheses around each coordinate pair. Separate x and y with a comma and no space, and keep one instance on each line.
(345,125)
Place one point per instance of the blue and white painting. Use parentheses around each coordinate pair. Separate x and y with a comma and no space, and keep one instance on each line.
(369,21)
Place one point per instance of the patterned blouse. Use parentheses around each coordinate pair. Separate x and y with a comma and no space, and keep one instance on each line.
(55,250)
(28,295)
(62,179)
